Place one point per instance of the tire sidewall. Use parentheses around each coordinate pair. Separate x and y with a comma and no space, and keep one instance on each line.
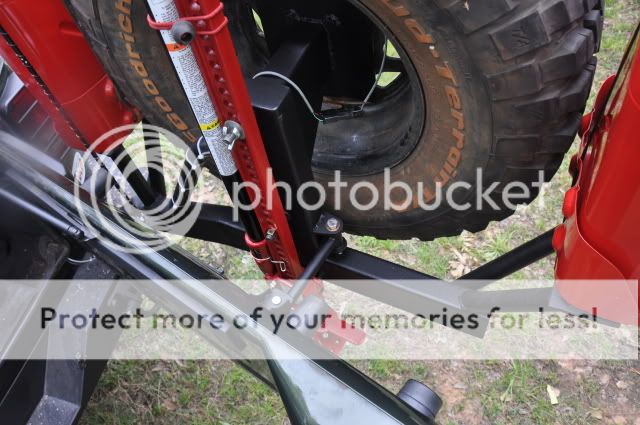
(457,135)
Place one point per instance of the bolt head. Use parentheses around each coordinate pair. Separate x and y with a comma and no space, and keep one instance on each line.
(271,234)
(232,131)
(276,300)
(333,224)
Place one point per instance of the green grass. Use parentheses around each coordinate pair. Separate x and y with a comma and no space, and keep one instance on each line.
(432,258)
(190,392)
(388,369)
(518,389)
(617,35)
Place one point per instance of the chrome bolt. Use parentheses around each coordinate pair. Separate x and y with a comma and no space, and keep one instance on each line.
(271,234)
(232,131)
(333,224)
(276,300)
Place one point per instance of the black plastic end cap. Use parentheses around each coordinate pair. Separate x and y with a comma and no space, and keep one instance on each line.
(421,398)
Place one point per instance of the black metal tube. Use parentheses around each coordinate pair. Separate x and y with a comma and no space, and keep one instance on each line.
(187,180)
(248,218)
(519,258)
(156,177)
(215,224)
(312,268)
(48,218)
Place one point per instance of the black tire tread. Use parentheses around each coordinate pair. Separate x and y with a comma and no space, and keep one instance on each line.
(541,88)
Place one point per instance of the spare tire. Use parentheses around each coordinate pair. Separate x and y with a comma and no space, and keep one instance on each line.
(495,85)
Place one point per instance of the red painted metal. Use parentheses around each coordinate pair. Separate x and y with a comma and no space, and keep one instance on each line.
(61,123)
(83,104)
(600,238)
(218,62)
(168,25)
(260,252)
(336,333)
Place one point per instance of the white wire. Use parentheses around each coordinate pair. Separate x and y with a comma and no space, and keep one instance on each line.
(292,84)
(375,84)
(200,153)
(74,261)
(304,97)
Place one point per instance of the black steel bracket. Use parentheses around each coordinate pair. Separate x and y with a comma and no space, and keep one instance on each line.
(289,129)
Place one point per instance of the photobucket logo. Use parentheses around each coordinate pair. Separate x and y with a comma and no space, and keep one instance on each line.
(117,217)
(392,195)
